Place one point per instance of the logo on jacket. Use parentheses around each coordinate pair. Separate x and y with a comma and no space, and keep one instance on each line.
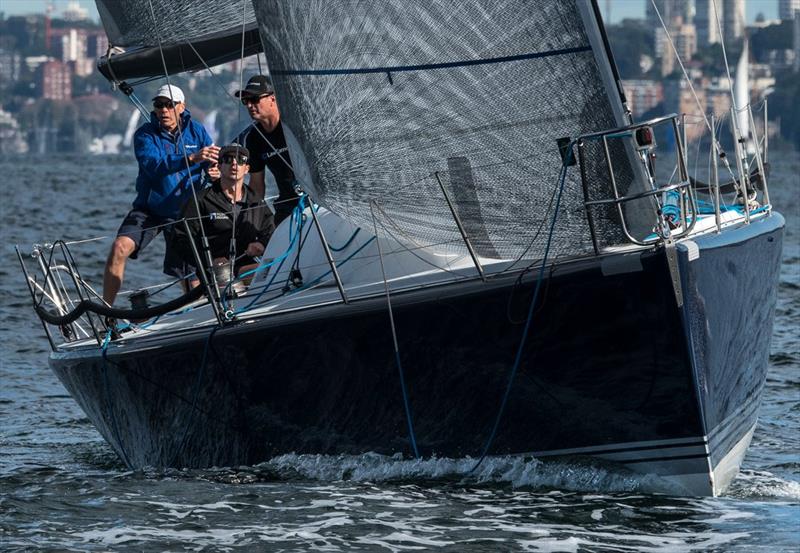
(214,216)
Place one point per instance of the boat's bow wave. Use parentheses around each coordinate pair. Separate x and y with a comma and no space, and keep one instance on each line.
(578,474)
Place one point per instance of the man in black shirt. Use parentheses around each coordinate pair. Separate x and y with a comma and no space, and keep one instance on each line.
(267,146)
(234,217)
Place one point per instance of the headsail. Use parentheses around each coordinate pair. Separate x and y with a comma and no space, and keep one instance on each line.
(383,96)
(191,33)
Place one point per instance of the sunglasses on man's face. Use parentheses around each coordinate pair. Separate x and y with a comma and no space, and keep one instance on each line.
(246,100)
(230,158)
(169,104)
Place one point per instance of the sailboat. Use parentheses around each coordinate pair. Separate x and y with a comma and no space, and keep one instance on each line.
(480,263)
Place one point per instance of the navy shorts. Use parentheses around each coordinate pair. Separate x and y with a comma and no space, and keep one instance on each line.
(142,227)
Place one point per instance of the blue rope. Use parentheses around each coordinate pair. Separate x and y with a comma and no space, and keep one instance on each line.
(295,230)
(406,405)
(114,427)
(539,278)
(352,237)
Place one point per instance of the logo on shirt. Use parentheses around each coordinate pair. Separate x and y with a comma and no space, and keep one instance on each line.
(215,216)
(274,153)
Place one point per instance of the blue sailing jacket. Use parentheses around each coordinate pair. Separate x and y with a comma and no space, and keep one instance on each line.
(163,184)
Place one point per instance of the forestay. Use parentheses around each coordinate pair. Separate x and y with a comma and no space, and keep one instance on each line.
(383,95)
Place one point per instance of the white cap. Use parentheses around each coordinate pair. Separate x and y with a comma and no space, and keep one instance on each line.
(170,91)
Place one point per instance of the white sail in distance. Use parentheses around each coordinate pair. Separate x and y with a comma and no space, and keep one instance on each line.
(742,92)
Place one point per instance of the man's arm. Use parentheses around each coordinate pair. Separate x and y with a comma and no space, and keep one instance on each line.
(157,164)
(257,184)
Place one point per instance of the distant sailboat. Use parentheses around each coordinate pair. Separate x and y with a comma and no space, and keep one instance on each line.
(742,96)
(210,124)
(133,121)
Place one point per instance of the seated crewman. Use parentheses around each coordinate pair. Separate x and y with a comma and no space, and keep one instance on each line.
(227,206)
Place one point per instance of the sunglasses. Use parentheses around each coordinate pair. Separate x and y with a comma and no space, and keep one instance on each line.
(230,158)
(169,104)
(254,99)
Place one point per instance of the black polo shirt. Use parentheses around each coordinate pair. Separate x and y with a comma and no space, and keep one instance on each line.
(268,150)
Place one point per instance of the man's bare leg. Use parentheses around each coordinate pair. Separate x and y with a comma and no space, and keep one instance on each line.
(121,249)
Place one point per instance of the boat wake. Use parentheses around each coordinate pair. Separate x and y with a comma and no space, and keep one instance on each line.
(756,484)
(520,472)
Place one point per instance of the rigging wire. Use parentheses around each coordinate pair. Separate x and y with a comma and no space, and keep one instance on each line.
(689,80)
(180,138)
(528,321)
(114,425)
(407,407)
(680,61)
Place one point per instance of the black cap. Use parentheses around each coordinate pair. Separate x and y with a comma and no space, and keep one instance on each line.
(256,86)
(233,149)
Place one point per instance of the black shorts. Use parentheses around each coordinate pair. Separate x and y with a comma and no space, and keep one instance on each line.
(142,227)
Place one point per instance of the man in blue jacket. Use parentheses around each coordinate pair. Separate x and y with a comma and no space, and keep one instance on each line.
(172,151)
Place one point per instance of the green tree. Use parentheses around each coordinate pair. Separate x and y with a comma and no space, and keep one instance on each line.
(773,37)
(629,40)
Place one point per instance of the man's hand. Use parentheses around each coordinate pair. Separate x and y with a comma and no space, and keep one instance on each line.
(209,153)
(254,249)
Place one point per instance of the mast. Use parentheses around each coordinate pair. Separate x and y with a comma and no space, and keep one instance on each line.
(611,61)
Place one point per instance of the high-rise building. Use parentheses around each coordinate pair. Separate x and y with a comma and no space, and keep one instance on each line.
(797,41)
(54,80)
(69,44)
(643,95)
(74,12)
(670,11)
(732,19)
(788,8)
(10,66)
(711,15)
(96,44)
(705,22)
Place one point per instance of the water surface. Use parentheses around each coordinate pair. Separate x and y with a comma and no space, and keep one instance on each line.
(63,489)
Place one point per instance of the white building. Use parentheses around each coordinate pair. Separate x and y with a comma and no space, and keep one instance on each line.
(788,8)
(74,12)
(711,15)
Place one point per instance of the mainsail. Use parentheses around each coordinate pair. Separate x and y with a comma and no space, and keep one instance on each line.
(190,34)
(383,97)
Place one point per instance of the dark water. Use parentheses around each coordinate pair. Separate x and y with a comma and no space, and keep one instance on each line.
(62,489)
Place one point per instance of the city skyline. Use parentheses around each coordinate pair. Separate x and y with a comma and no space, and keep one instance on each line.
(620,9)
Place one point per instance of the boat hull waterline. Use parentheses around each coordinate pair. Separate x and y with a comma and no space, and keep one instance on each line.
(613,368)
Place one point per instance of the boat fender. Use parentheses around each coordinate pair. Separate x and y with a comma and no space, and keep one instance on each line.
(692,250)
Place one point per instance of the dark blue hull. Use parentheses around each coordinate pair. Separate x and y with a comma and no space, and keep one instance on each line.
(612,368)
